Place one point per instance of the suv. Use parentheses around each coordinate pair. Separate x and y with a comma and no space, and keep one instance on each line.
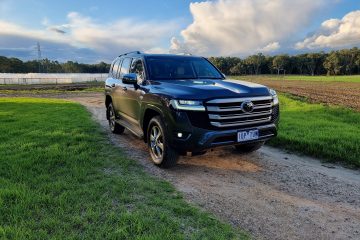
(183,103)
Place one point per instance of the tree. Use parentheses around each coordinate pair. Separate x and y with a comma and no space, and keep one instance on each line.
(300,61)
(333,64)
(238,69)
(357,63)
(312,62)
(255,61)
(279,62)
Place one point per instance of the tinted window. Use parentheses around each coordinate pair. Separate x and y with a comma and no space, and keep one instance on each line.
(180,68)
(125,66)
(138,68)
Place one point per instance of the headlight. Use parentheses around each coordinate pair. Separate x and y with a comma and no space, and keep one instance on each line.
(274,96)
(190,105)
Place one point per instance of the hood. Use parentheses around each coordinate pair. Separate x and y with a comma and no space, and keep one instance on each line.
(208,89)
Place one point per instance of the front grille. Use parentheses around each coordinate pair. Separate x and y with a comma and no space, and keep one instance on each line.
(224,113)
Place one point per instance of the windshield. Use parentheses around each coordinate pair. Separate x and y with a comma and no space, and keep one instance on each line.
(170,68)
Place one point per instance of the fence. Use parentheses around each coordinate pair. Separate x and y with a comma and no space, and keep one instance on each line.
(50,78)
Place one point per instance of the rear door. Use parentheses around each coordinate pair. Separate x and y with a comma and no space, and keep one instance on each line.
(121,89)
(115,82)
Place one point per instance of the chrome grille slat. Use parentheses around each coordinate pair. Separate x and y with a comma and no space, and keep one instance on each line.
(243,115)
(228,112)
(232,109)
(261,106)
(230,100)
(242,123)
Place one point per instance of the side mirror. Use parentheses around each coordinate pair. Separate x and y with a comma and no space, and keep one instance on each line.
(130,78)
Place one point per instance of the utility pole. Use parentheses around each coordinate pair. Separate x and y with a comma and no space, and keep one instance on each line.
(39,55)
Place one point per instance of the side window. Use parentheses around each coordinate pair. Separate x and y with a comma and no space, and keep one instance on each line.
(138,68)
(117,73)
(125,66)
(115,68)
(111,69)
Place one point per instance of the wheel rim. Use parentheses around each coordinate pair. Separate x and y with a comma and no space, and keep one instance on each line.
(156,144)
(111,119)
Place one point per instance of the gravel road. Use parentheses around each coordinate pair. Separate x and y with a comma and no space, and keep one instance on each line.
(271,193)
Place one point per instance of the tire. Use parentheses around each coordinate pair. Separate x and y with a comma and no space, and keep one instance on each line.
(113,125)
(248,148)
(161,153)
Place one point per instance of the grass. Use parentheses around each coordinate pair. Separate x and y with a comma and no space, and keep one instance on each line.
(327,132)
(51,91)
(348,78)
(60,178)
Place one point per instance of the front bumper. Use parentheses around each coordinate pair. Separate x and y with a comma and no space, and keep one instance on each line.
(200,139)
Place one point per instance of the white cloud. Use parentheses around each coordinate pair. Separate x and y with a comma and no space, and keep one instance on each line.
(81,32)
(124,34)
(229,27)
(270,47)
(335,33)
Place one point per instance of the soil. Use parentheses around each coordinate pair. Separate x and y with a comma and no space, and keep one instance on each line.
(272,194)
(336,93)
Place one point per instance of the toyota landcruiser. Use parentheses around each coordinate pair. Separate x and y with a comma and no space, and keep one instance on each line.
(181,104)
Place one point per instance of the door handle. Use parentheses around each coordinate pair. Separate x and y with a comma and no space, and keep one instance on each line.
(124,88)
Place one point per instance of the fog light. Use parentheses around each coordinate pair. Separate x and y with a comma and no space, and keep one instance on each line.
(179,135)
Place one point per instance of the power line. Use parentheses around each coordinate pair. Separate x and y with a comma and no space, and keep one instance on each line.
(39,55)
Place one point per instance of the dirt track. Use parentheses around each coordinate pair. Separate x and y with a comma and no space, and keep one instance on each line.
(270,193)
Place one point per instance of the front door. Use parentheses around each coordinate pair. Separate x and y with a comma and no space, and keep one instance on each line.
(134,92)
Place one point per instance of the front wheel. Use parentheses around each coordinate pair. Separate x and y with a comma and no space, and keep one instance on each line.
(247,148)
(161,153)
(114,126)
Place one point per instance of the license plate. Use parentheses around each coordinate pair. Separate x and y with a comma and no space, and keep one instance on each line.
(248,135)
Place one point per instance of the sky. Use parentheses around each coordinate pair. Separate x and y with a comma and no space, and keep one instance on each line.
(92,31)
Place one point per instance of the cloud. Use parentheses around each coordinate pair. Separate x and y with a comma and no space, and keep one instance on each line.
(270,47)
(240,27)
(57,30)
(335,33)
(106,40)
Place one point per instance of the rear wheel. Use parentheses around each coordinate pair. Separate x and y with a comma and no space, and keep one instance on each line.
(114,126)
(161,153)
(247,148)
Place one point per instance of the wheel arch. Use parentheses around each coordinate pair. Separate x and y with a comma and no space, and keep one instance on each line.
(149,113)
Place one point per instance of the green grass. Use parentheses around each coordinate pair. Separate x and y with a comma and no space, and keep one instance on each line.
(51,91)
(328,132)
(60,178)
(349,78)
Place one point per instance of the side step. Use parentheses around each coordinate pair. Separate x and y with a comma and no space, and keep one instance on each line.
(131,128)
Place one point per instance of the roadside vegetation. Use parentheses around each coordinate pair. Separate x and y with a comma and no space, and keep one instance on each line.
(327,132)
(61,178)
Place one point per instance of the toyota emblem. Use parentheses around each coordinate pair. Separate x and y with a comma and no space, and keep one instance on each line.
(247,106)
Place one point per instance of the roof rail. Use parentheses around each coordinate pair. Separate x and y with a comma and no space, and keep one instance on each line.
(137,52)
(184,53)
